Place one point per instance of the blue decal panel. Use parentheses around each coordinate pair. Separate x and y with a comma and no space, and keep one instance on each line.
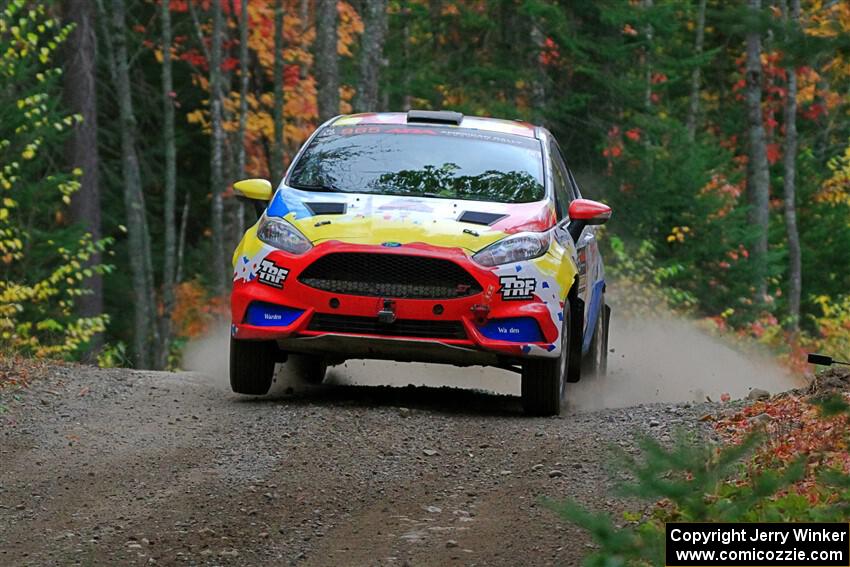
(516,330)
(288,200)
(593,314)
(262,314)
(278,207)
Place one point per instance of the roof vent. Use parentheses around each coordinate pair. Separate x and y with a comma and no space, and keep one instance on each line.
(434,117)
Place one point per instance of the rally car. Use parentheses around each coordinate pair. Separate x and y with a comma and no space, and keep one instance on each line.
(423,236)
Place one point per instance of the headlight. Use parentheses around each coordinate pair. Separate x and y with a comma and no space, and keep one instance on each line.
(523,246)
(280,234)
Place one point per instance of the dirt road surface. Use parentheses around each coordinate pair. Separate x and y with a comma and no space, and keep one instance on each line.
(119,467)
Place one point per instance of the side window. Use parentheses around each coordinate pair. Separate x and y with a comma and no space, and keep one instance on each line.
(562,182)
(572,186)
(574,183)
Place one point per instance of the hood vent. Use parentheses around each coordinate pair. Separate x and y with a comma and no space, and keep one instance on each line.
(326,208)
(477,217)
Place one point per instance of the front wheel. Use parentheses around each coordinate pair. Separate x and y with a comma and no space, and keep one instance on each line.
(252,366)
(544,379)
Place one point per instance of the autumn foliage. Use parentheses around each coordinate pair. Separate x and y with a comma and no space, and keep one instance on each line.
(650,123)
(300,108)
(195,311)
(782,460)
(794,428)
(42,278)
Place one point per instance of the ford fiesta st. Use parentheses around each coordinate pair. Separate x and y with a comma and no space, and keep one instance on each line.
(423,236)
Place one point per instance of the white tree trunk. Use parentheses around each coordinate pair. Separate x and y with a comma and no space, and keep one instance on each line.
(170,192)
(758,174)
(277,156)
(327,59)
(693,104)
(371,54)
(795,276)
(145,328)
(647,63)
(219,265)
(244,82)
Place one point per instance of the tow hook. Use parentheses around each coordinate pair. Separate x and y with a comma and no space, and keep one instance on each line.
(387,314)
(480,313)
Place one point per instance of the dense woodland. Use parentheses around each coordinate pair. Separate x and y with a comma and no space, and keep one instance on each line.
(717,130)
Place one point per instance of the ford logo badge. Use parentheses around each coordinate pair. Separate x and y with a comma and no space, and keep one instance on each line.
(391,244)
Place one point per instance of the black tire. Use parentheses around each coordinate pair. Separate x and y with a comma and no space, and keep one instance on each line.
(544,379)
(252,366)
(574,364)
(311,369)
(597,356)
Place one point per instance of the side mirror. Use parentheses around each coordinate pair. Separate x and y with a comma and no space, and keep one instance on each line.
(591,212)
(584,212)
(256,189)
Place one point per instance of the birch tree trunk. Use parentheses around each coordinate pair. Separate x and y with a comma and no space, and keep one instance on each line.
(276,168)
(693,105)
(244,83)
(371,55)
(758,175)
(181,240)
(145,332)
(795,277)
(406,58)
(327,59)
(304,15)
(170,192)
(435,11)
(538,84)
(647,5)
(219,266)
(81,148)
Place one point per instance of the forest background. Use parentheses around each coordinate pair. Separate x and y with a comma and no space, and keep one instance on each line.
(717,130)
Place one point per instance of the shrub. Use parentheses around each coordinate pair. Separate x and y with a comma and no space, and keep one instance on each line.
(43,263)
(745,481)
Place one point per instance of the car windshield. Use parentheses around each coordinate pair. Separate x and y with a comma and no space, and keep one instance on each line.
(452,163)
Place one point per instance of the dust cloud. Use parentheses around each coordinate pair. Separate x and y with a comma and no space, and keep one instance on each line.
(668,359)
(664,360)
(210,355)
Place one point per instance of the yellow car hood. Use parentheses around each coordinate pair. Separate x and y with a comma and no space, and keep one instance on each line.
(380,219)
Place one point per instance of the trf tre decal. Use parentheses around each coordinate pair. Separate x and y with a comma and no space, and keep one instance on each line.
(513,287)
(271,274)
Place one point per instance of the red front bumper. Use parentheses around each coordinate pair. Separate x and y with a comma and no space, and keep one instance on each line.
(467,311)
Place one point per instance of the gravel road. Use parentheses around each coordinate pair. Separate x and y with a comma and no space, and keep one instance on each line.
(119,467)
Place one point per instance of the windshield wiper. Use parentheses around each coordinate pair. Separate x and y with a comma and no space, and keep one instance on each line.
(322,187)
(428,194)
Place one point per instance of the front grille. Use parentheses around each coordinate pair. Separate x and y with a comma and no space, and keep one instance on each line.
(330,323)
(389,275)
